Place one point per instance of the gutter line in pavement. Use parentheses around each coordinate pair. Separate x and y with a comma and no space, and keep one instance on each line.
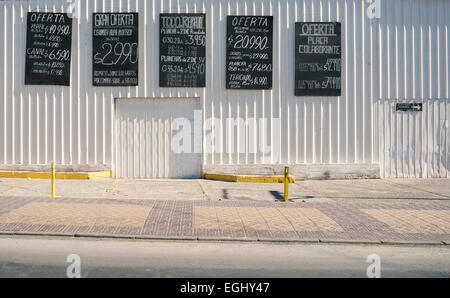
(223,239)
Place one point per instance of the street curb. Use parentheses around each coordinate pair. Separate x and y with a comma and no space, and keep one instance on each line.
(343,241)
(225,239)
(395,242)
(287,240)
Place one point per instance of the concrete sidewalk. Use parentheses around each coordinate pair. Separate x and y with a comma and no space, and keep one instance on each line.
(412,190)
(374,211)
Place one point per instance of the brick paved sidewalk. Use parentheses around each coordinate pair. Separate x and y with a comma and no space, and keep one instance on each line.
(324,221)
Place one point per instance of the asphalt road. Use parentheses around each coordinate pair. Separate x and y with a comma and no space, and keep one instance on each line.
(47,257)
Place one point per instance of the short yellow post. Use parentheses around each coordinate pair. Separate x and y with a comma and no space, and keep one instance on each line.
(286,184)
(53,180)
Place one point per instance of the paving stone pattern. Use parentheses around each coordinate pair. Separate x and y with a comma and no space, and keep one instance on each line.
(247,220)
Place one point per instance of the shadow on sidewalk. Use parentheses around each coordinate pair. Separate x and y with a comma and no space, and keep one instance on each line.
(279,197)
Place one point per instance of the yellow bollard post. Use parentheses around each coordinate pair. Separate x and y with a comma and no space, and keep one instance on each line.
(286,184)
(53,180)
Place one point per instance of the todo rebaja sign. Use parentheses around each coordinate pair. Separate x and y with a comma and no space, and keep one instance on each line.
(182,61)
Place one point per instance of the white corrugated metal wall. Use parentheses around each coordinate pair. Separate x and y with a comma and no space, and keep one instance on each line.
(143,139)
(413,66)
(403,56)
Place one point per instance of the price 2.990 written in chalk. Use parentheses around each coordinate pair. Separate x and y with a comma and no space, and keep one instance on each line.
(117,54)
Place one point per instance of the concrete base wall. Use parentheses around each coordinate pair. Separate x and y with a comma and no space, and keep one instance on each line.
(302,171)
(59,168)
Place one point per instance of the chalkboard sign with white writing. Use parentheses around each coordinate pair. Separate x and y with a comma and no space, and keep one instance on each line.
(182,61)
(249,52)
(318,59)
(115,49)
(48,52)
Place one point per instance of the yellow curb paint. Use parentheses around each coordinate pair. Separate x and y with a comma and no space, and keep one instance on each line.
(60,175)
(16,187)
(219,177)
(111,187)
(246,178)
(205,190)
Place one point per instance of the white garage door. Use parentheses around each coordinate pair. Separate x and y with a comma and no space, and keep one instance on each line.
(144,134)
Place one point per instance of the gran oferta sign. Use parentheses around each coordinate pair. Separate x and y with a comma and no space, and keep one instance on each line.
(115,49)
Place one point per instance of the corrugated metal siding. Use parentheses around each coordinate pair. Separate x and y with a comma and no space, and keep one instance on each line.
(413,50)
(143,146)
(401,56)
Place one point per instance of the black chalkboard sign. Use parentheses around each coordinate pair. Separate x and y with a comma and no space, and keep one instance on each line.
(249,52)
(318,59)
(49,45)
(115,49)
(182,61)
